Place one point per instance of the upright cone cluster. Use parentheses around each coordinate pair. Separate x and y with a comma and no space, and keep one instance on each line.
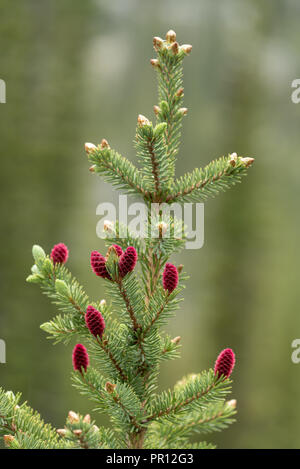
(170,277)
(80,358)
(94,321)
(225,363)
(127,261)
(59,254)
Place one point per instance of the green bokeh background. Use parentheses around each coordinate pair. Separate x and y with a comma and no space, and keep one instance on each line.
(79,71)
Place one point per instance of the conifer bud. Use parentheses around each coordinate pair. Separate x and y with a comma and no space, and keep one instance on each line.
(104,144)
(73,417)
(92,168)
(183,111)
(159,129)
(175,48)
(127,261)
(164,107)
(170,277)
(180,268)
(62,288)
(110,387)
(103,303)
(186,48)
(87,418)
(225,363)
(8,439)
(61,432)
(247,161)
(59,254)
(171,36)
(157,110)
(38,252)
(157,43)
(108,226)
(179,92)
(80,358)
(154,63)
(176,340)
(162,229)
(34,278)
(77,432)
(233,159)
(89,147)
(231,404)
(98,265)
(94,321)
(142,120)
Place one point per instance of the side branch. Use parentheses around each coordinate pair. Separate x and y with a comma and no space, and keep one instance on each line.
(175,408)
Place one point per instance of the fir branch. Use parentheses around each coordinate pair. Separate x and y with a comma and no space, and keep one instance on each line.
(217,176)
(118,170)
(197,392)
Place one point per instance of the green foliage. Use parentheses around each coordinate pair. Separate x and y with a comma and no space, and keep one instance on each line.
(123,379)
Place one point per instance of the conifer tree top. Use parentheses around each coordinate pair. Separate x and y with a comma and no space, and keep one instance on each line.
(118,343)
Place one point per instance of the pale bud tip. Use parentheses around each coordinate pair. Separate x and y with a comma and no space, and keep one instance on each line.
(187,48)
(162,228)
(233,159)
(157,42)
(77,432)
(73,417)
(232,403)
(108,226)
(247,161)
(183,111)
(87,418)
(61,431)
(142,120)
(103,303)
(171,36)
(176,340)
(156,109)
(8,439)
(104,144)
(89,147)
(154,63)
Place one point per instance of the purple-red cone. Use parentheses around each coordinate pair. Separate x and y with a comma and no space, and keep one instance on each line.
(225,363)
(94,321)
(80,358)
(127,261)
(170,277)
(98,265)
(59,253)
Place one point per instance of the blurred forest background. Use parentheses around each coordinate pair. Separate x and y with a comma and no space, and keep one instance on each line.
(79,71)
